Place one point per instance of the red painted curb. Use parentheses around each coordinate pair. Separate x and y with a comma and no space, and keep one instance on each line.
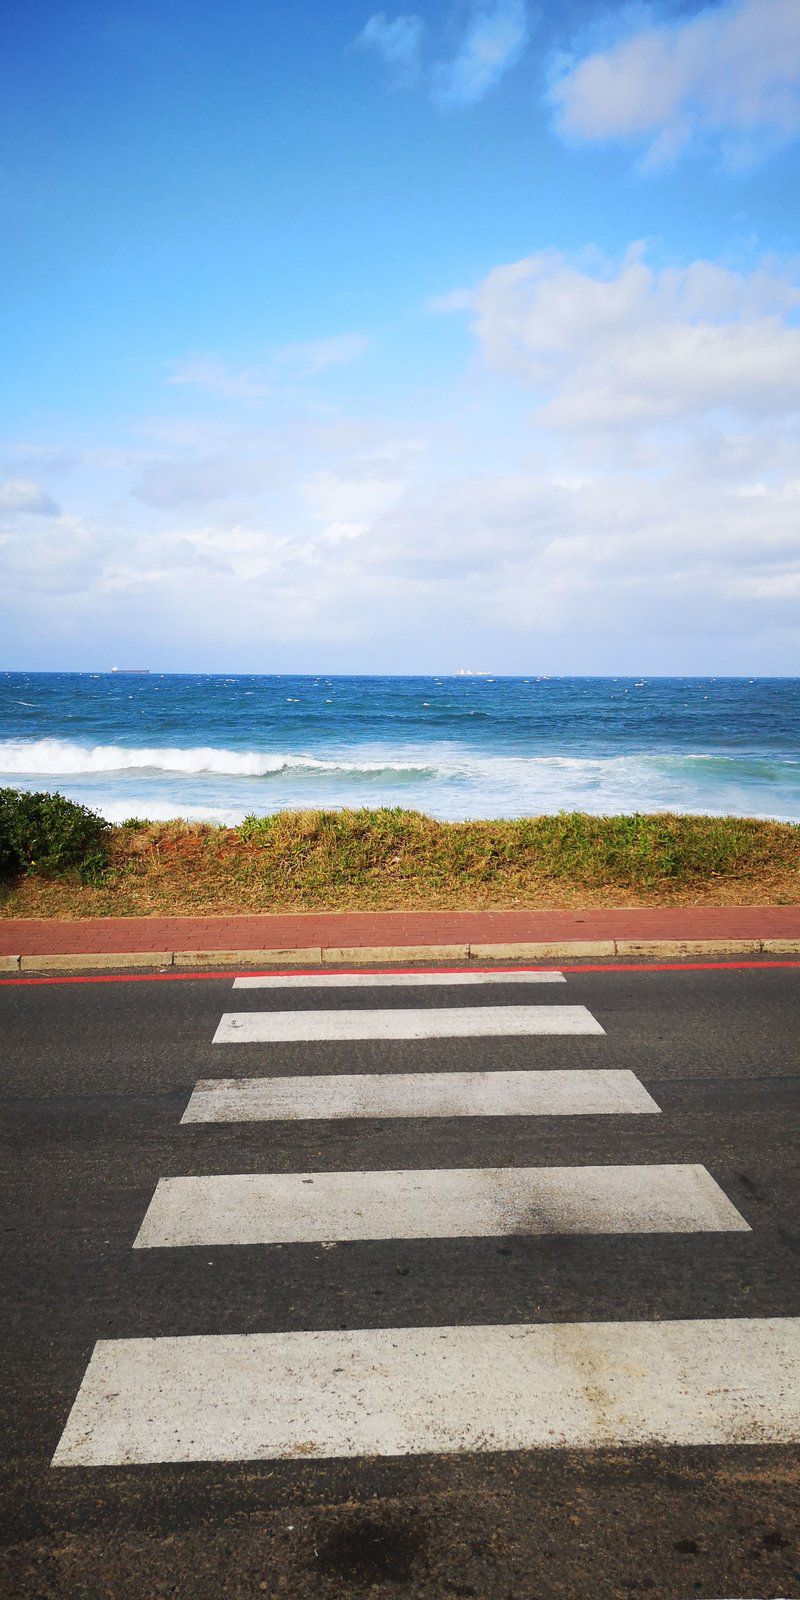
(199,977)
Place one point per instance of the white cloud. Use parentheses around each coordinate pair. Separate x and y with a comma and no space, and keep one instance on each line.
(304,359)
(25,496)
(492,43)
(396,39)
(637,345)
(774,586)
(355,497)
(53,462)
(203,480)
(316,355)
(339,532)
(616,478)
(214,377)
(730,73)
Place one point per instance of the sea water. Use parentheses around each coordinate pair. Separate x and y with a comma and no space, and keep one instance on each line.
(216,748)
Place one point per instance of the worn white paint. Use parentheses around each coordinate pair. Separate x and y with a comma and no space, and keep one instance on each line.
(288,1208)
(392,980)
(401,1391)
(432,1022)
(558,1092)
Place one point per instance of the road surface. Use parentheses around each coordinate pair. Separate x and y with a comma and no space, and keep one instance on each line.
(428,1287)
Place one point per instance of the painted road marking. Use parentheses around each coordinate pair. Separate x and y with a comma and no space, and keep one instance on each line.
(555,1093)
(687,965)
(440,1022)
(389,980)
(271,1208)
(402,1391)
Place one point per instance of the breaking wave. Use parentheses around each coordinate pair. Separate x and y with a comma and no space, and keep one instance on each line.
(65,758)
(445,778)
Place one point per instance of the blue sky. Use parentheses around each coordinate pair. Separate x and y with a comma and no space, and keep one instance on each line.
(353,340)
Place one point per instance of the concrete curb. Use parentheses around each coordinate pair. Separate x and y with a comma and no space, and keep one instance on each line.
(107,960)
(542,950)
(687,947)
(344,955)
(315,955)
(310,955)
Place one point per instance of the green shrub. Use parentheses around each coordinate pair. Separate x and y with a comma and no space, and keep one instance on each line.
(50,834)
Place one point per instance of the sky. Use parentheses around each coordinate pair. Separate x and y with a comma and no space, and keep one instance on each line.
(343,340)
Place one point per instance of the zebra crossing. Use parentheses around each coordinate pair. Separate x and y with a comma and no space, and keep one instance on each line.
(482,1022)
(391,1391)
(419,1094)
(489,1201)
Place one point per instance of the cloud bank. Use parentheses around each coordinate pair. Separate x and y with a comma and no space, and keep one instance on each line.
(613,485)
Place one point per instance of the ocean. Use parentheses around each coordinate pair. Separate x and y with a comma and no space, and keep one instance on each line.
(216,748)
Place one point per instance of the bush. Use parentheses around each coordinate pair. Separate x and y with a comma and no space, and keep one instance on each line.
(50,834)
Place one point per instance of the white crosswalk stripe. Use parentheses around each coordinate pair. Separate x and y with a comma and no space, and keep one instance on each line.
(396,1391)
(401,1391)
(434,1022)
(392,980)
(284,1208)
(556,1093)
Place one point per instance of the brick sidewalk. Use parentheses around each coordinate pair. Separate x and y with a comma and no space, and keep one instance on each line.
(116,935)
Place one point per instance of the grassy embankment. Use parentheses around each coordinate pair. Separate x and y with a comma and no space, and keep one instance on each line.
(394,860)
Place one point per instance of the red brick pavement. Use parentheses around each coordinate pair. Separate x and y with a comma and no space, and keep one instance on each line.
(103,935)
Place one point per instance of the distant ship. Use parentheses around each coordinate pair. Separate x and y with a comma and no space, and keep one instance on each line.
(132,672)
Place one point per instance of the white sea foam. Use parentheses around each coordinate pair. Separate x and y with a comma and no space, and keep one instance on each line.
(63,757)
(447,779)
(147,809)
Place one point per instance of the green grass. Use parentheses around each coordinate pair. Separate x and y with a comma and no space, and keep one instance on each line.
(353,847)
(393,859)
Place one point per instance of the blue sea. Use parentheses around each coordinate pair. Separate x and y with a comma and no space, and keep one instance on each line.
(216,748)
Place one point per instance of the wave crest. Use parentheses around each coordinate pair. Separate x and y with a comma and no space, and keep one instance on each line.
(66,758)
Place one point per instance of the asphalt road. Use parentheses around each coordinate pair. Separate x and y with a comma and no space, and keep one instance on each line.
(95,1080)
